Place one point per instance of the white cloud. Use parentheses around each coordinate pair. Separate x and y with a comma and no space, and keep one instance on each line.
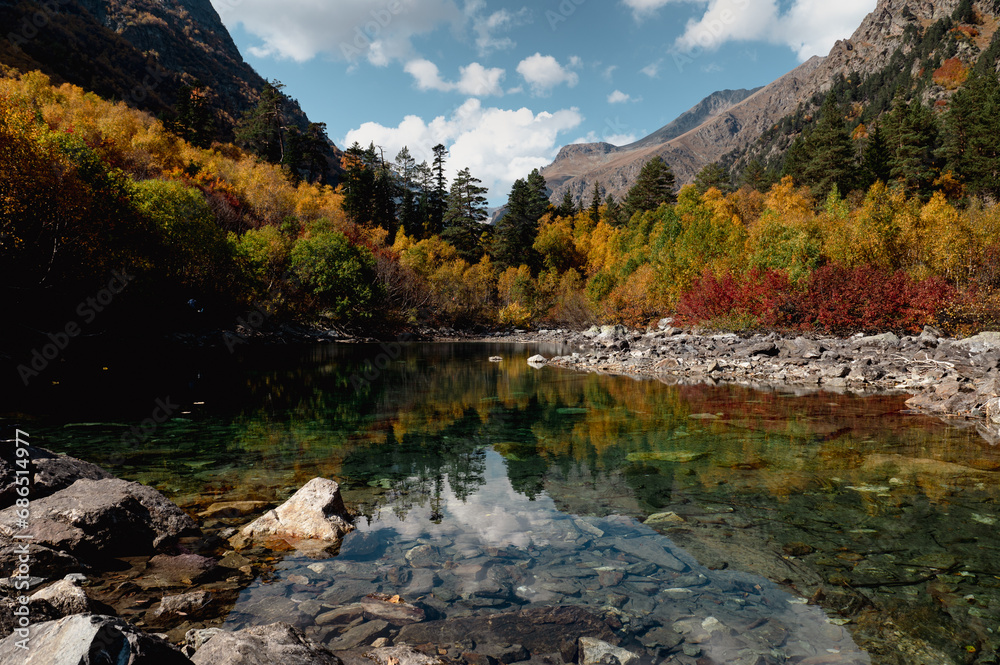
(812,27)
(642,8)
(497,145)
(620,139)
(609,72)
(351,30)
(486,25)
(543,72)
(619,97)
(652,70)
(475,80)
(809,27)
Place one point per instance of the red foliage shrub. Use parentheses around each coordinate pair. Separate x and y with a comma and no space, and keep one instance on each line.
(835,298)
(758,300)
(841,300)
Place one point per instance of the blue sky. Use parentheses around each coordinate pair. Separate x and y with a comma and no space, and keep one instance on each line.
(505,84)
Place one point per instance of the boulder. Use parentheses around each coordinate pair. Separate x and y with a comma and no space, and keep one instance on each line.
(89,639)
(263,645)
(90,521)
(52,473)
(538,360)
(313,519)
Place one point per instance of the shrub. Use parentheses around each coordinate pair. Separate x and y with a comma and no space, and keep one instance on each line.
(761,298)
(341,276)
(842,300)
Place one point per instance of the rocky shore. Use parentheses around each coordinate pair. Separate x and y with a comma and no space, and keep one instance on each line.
(949,378)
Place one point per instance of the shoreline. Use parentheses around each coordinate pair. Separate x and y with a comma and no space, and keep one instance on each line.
(954,379)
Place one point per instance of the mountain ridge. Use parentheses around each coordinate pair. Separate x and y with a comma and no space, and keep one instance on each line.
(739,125)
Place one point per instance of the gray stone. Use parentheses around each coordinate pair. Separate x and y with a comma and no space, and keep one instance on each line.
(52,472)
(885,339)
(92,520)
(264,645)
(165,571)
(89,639)
(538,360)
(191,605)
(313,520)
(593,652)
(361,635)
(650,550)
(424,556)
(401,655)
(196,637)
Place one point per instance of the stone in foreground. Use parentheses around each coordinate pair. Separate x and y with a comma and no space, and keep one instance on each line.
(313,519)
(91,521)
(84,638)
(264,645)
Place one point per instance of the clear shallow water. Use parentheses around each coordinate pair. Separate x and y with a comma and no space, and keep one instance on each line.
(497,549)
(887,520)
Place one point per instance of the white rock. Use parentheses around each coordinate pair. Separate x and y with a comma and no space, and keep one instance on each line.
(593,649)
(315,513)
(538,360)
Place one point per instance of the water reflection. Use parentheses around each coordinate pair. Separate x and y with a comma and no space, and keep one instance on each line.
(495,549)
(887,520)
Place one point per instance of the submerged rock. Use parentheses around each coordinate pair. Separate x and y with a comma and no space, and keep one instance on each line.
(313,519)
(89,639)
(401,655)
(596,652)
(263,645)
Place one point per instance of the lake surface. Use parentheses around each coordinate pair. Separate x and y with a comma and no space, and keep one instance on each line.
(708,512)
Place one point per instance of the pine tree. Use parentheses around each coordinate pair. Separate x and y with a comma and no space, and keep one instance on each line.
(595,204)
(830,160)
(713,175)
(875,161)
(438,200)
(654,186)
(465,217)
(194,120)
(912,135)
(796,158)
(972,131)
(567,208)
(359,184)
(514,241)
(305,152)
(405,169)
(613,213)
(755,176)
(261,130)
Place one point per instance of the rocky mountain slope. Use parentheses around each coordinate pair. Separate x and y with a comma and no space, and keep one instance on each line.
(730,128)
(139,51)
